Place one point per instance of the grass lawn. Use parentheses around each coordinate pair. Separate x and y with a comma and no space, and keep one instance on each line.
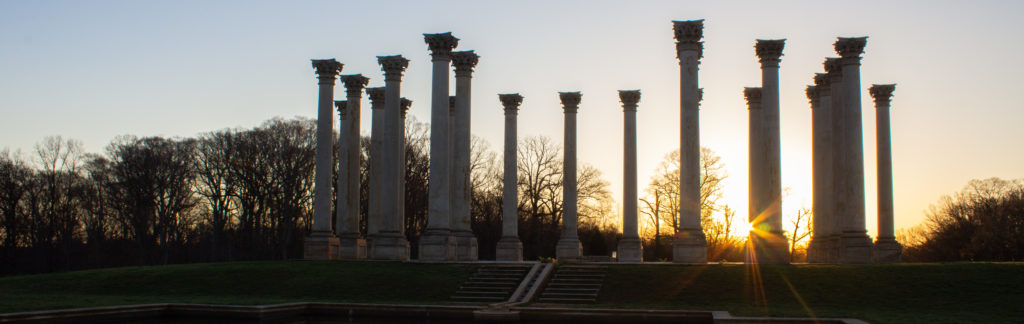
(903,293)
(238,283)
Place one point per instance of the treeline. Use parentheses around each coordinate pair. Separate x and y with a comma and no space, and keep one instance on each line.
(245,194)
(983,222)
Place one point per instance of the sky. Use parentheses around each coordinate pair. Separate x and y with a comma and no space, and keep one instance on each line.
(95,70)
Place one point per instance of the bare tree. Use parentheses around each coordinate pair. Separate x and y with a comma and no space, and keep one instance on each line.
(799,233)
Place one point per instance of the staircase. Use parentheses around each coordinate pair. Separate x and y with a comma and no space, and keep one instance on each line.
(574,284)
(491,283)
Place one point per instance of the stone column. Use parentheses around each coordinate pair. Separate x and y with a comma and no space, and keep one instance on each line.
(390,243)
(834,221)
(437,242)
(462,191)
(855,244)
(509,246)
(689,244)
(757,179)
(374,165)
(402,168)
(353,246)
(321,243)
(569,247)
(630,248)
(886,248)
(774,247)
(821,146)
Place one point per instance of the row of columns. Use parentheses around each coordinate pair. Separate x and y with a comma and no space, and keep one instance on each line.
(839,234)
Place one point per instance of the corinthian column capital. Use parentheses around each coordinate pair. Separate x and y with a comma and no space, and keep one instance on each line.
(570,101)
(850,48)
(326,70)
(812,93)
(769,51)
(688,35)
(753,96)
(376,97)
(405,105)
(342,106)
(629,99)
(441,45)
(833,67)
(822,83)
(354,84)
(882,93)
(511,102)
(393,66)
(464,62)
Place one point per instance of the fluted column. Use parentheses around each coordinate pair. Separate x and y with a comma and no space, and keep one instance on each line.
(855,244)
(757,179)
(437,242)
(630,248)
(402,161)
(510,248)
(774,247)
(321,243)
(834,222)
(886,247)
(689,244)
(353,246)
(374,165)
(569,247)
(390,243)
(462,191)
(821,147)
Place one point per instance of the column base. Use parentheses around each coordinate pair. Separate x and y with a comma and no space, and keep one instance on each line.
(391,246)
(690,247)
(351,248)
(320,246)
(569,250)
(815,250)
(466,247)
(630,250)
(767,249)
(887,250)
(509,249)
(831,248)
(854,248)
(437,247)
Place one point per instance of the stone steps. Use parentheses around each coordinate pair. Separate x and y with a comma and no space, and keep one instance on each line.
(491,283)
(574,284)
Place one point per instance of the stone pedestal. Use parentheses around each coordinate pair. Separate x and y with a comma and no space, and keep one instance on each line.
(569,247)
(887,251)
(630,250)
(509,247)
(690,245)
(321,246)
(389,246)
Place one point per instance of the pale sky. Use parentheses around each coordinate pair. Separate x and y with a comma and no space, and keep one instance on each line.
(95,70)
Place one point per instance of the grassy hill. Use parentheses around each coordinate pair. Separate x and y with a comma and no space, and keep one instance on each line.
(240,283)
(905,293)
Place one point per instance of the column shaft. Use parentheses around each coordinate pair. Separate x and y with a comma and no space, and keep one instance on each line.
(774,247)
(856,246)
(462,191)
(376,162)
(689,245)
(886,248)
(834,225)
(437,242)
(509,247)
(630,248)
(322,244)
(390,243)
(569,247)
